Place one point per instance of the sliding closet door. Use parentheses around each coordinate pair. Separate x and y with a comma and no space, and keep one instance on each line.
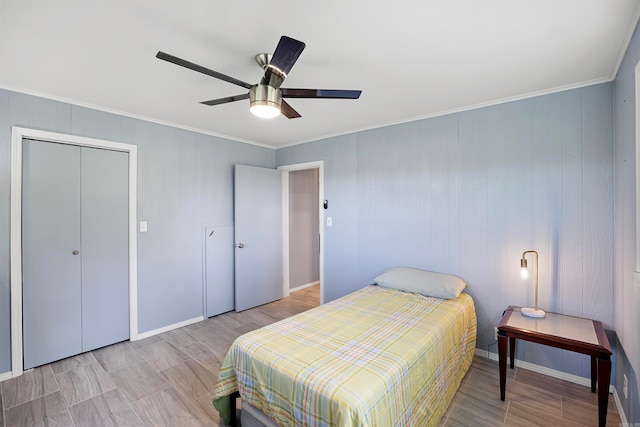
(51,252)
(105,247)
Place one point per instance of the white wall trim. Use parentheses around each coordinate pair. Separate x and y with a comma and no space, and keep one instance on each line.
(17,136)
(623,417)
(79,103)
(285,209)
(462,109)
(637,124)
(305,286)
(542,370)
(560,375)
(6,376)
(286,277)
(170,327)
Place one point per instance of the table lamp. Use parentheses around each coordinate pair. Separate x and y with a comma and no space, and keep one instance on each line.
(528,311)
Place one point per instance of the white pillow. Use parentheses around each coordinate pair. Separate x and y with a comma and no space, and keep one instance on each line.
(429,283)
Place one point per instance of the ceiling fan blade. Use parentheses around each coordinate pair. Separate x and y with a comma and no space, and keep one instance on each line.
(286,54)
(320,93)
(199,68)
(225,100)
(288,111)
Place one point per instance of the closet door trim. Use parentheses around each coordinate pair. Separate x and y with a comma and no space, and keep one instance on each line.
(17,136)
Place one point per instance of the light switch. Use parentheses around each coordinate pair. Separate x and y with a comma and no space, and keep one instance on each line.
(143,226)
(329,221)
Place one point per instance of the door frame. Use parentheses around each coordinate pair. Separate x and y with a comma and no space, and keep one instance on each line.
(285,220)
(17,136)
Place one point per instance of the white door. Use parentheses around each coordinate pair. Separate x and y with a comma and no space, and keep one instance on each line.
(75,250)
(219,268)
(258,236)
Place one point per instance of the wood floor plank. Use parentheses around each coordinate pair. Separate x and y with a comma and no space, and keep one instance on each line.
(166,380)
(145,341)
(29,386)
(521,414)
(117,356)
(535,398)
(169,408)
(204,355)
(207,337)
(191,379)
(204,403)
(108,409)
(162,355)
(475,407)
(586,414)
(138,380)
(563,388)
(83,383)
(178,338)
(72,362)
(49,410)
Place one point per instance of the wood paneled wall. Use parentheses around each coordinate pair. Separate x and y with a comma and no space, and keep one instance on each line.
(467,193)
(627,287)
(184,180)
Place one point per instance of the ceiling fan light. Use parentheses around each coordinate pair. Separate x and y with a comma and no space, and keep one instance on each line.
(265,101)
(264,111)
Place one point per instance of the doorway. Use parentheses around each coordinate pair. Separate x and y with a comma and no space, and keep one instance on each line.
(304,236)
(293,277)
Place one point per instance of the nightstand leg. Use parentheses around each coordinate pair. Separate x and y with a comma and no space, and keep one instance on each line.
(512,350)
(594,373)
(604,374)
(502,362)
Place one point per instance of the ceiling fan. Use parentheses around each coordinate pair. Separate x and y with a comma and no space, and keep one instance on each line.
(266,97)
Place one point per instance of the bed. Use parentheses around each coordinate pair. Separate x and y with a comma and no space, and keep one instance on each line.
(384,355)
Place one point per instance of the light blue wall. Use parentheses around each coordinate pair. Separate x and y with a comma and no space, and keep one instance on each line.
(627,319)
(467,193)
(184,180)
(464,193)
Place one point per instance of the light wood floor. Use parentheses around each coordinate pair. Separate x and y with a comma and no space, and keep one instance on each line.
(166,380)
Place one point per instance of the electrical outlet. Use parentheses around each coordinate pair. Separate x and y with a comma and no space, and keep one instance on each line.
(624,385)
(495,335)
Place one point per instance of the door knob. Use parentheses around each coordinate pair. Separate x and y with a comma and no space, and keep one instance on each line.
(75,252)
(240,245)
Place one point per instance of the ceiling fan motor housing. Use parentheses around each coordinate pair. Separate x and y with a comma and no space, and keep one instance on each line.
(265,95)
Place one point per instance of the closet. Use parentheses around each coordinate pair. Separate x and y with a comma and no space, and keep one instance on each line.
(75,259)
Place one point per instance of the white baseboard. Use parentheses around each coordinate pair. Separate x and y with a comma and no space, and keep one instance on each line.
(305,286)
(168,328)
(8,375)
(560,375)
(543,370)
(623,418)
(5,376)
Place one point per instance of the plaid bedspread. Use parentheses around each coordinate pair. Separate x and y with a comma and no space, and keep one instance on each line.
(376,357)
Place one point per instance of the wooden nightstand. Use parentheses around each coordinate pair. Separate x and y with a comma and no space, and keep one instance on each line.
(566,332)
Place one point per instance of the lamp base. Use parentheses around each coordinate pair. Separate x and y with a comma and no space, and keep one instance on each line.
(532,312)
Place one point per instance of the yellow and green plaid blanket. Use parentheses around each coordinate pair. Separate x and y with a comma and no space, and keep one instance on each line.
(376,357)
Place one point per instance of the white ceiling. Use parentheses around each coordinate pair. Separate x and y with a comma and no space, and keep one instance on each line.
(411,59)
